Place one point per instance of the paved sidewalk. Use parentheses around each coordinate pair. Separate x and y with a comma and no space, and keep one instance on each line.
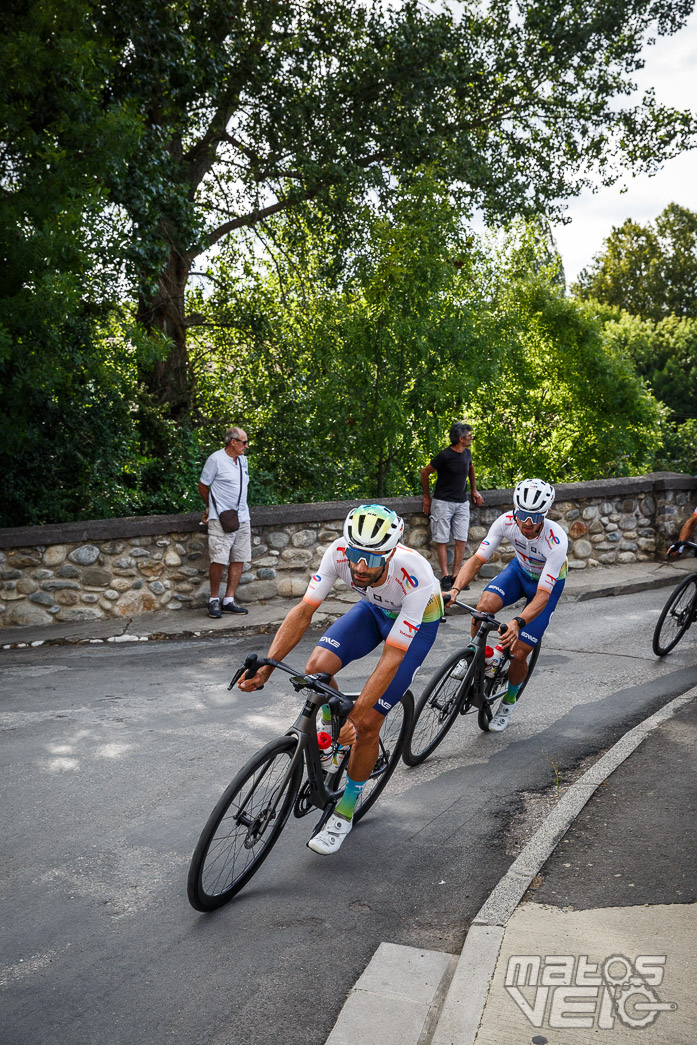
(589,937)
(264,617)
(604,941)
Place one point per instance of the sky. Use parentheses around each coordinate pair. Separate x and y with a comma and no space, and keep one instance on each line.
(671,68)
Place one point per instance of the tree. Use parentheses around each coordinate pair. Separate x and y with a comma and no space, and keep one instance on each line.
(648,270)
(344,374)
(565,401)
(351,378)
(252,108)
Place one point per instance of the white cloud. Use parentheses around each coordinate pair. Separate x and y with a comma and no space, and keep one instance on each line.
(670,69)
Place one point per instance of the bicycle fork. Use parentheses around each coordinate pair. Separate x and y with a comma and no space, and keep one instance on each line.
(258,824)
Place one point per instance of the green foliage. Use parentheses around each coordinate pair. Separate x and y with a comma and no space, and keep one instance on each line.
(252,109)
(341,373)
(348,379)
(648,270)
(568,405)
(331,151)
(679,451)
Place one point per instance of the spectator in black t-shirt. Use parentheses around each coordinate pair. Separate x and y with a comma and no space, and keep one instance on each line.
(449,507)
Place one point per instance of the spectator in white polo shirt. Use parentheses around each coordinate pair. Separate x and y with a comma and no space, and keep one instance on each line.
(223,486)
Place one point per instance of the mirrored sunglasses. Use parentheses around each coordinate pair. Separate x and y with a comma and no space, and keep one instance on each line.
(372,559)
(531,517)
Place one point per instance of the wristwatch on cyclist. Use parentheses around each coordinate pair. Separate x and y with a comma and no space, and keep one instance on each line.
(520,621)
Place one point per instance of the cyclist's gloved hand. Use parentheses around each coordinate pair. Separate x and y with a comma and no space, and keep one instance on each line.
(676,549)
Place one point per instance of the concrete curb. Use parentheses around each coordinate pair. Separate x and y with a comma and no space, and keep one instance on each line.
(463,1007)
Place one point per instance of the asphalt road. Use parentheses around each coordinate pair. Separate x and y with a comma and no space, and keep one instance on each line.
(112,758)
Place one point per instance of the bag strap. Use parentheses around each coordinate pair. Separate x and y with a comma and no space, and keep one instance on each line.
(239,496)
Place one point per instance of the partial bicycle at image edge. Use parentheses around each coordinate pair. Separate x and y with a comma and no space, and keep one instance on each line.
(678,613)
(461,686)
(286,776)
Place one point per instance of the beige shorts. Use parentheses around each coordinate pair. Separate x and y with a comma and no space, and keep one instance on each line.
(447,516)
(229,547)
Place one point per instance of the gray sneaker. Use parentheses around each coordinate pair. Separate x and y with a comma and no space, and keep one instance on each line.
(214,608)
(232,606)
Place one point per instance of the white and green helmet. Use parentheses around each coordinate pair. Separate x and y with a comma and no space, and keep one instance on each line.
(374,528)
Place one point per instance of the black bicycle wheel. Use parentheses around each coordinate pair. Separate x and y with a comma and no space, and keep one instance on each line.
(676,616)
(245,824)
(393,737)
(437,708)
(500,685)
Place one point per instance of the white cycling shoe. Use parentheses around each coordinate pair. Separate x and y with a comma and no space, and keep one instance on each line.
(501,718)
(331,837)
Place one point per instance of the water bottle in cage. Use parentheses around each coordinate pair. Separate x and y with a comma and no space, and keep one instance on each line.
(496,660)
(460,669)
(324,743)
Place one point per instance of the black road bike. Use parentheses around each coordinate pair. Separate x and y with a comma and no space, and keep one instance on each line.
(678,613)
(461,687)
(284,777)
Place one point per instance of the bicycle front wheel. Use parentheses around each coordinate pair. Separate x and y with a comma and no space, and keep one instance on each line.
(244,826)
(437,708)
(676,616)
(393,737)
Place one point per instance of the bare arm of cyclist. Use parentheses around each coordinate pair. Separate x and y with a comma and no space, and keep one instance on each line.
(287,637)
(468,571)
(685,535)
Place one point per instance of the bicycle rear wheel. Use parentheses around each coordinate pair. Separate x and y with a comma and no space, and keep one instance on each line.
(499,687)
(244,826)
(676,616)
(393,737)
(437,708)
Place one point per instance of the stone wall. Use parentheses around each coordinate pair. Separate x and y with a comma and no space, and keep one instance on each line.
(123,567)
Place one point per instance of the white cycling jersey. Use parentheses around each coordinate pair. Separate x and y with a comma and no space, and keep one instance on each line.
(410,594)
(543,558)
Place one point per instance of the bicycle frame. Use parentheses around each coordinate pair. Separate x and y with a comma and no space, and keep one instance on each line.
(475,679)
(316,794)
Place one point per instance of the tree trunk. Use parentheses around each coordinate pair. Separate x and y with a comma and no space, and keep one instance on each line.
(164,312)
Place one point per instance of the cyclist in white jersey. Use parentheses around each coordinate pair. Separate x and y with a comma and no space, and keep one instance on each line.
(685,534)
(401,605)
(537,573)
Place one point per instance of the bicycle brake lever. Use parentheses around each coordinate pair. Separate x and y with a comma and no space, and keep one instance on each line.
(249,670)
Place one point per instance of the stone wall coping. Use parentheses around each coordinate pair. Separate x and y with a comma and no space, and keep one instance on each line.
(321,511)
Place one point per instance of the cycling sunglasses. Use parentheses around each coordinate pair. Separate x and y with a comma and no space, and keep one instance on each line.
(372,559)
(531,517)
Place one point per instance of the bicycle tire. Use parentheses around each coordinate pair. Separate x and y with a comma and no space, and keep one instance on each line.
(228,853)
(486,713)
(393,737)
(676,616)
(437,708)
(501,681)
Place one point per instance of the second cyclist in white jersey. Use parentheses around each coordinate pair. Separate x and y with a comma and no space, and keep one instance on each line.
(537,574)
(401,605)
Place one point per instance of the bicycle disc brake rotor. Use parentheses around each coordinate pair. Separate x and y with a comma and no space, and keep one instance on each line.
(257,828)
